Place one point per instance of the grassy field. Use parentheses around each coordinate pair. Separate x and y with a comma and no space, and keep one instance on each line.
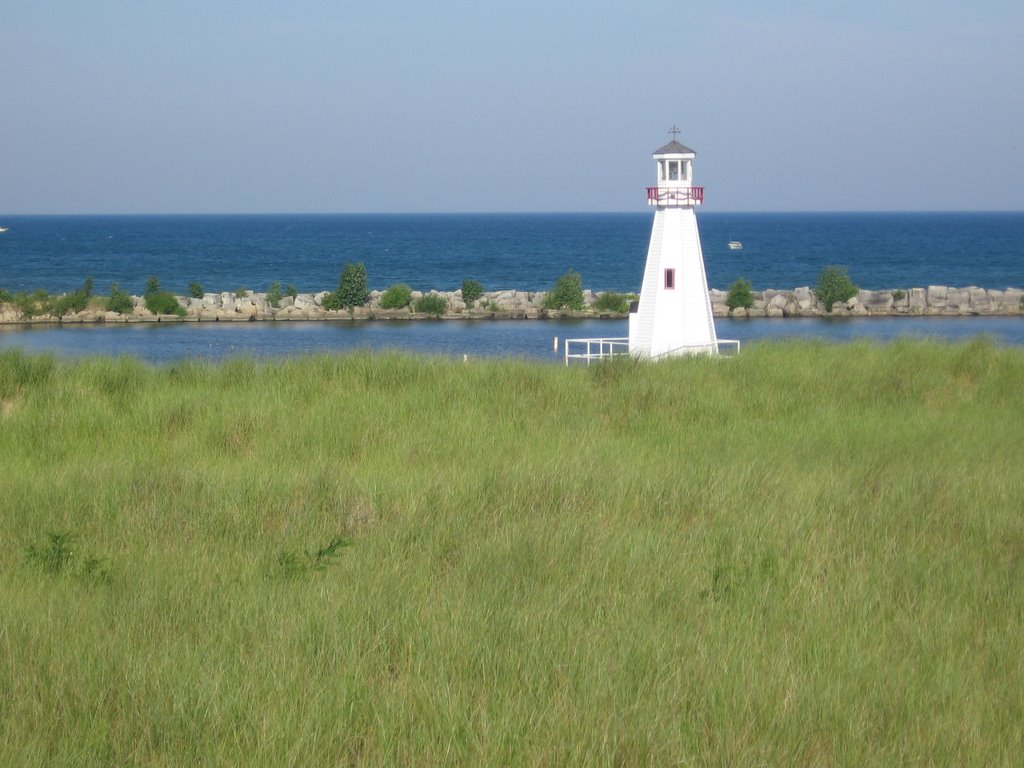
(807,555)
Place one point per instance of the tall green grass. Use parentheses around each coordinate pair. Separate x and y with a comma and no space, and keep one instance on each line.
(806,555)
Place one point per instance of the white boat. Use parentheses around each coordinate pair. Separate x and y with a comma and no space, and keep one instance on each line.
(3,229)
(735,245)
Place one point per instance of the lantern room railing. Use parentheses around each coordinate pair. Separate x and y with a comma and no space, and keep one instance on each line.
(675,195)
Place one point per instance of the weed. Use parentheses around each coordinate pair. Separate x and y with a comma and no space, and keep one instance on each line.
(290,564)
(59,555)
(195,290)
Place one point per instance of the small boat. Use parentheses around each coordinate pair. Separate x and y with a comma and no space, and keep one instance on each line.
(735,245)
(3,229)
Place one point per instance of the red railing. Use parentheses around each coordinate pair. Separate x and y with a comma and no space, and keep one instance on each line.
(675,196)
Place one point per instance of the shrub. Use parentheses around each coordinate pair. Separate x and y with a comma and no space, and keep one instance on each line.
(567,293)
(195,290)
(76,301)
(161,302)
(241,292)
(119,301)
(32,304)
(471,291)
(609,301)
(834,285)
(6,297)
(292,291)
(274,295)
(431,304)
(352,291)
(740,294)
(898,295)
(397,296)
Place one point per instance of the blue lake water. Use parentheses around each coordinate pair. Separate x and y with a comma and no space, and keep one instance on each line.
(526,251)
(533,339)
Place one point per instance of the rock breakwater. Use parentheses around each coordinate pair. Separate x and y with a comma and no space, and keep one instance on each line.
(515,304)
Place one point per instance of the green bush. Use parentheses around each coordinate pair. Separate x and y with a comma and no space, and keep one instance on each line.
(240,293)
(834,285)
(119,301)
(161,302)
(740,294)
(352,291)
(609,301)
(76,301)
(195,290)
(397,296)
(32,304)
(898,295)
(274,295)
(292,291)
(431,304)
(471,291)
(6,297)
(567,293)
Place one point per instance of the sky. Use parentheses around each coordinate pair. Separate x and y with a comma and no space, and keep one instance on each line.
(332,106)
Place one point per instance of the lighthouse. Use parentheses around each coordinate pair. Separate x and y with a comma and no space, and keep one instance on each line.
(673,316)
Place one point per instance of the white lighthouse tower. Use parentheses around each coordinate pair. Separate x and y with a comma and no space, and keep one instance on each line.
(673,316)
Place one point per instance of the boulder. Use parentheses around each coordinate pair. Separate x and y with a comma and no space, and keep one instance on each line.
(958,297)
(876,302)
(938,295)
(917,299)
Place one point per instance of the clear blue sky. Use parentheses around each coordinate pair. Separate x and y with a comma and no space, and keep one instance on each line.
(534,105)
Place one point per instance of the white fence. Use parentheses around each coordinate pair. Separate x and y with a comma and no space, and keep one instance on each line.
(600,349)
(594,349)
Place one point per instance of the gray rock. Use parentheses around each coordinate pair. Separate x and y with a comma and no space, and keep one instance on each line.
(938,295)
(958,297)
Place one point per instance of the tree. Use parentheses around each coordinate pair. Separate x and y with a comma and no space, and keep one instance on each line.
(471,291)
(567,293)
(834,285)
(352,291)
(740,294)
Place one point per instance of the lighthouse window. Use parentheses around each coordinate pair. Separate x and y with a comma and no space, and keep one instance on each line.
(673,171)
(670,279)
